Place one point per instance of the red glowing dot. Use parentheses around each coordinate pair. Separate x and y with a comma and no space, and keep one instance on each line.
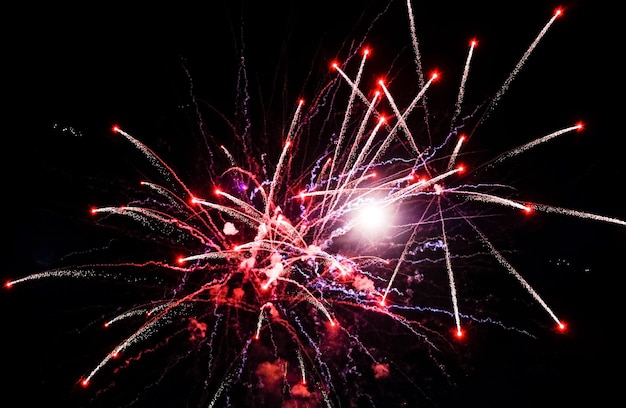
(561,327)
(334,65)
(381,82)
(579,126)
(256,336)
(116,129)
(558,12)
(8,284)
(366,52)
(529,209)
(460,334)
(218,191)
(84,382)
(106,324)
(382,119)
(332,323)
(434,76)
(180,260)
(93,210)
(460,169)
(287,144)
(473,42)
(461,138)
(382,303)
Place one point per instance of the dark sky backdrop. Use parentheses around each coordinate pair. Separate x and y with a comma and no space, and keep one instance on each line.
(75,72)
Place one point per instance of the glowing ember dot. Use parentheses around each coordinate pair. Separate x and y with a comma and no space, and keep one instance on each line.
(561,327)
(579,126)
(93,210)
(462,138)
(460,334)
(180,260)
(116,129)
(460,169)
(84,382)
(8,284)
(256,336)
(301,102)
(218,191)
(473,42)
(334,65)
(382,120)
(106,324)
(381,82)
(382,303)
(528,209)
(434,76)
(558,12)
(366,51)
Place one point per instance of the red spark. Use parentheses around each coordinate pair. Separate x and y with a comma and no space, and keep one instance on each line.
(84,383)
(218,191)
(93,210)
(8,284)
(366,51)
(579,126)
(180,260)
(529,209)
(334,65)
(561,327)
(462,138)
(558,12)
(459,334)
(460,169)
(116,129)
(434,76)
(301,102)
(473,43)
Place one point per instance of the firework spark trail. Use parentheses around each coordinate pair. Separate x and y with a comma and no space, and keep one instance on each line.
(418,64)
(529,145)
(502,260)
(455,153)
(520,64)
(575,213)
(446,248)
(489,198)
(459,99)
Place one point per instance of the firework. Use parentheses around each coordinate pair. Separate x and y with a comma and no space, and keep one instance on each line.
(286,275)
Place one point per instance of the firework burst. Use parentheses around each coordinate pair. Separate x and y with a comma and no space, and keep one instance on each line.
(291,273)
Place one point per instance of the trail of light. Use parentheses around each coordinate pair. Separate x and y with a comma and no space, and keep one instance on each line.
(455,153)
(518,67)
(387,142)
(145,215)
(140,335)
(418,64)
(494,252)
(489,198)
(575,213)
(399,116)
(405,251)
(529,145)
(455,303)
(459,99)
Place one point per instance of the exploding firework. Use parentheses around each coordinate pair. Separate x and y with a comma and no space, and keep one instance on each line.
(292,269)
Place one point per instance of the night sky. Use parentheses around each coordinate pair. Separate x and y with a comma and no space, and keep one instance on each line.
(76,72)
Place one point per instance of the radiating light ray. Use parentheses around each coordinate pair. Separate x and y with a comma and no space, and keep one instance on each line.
(538,141)
(507,83)
(461,94)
